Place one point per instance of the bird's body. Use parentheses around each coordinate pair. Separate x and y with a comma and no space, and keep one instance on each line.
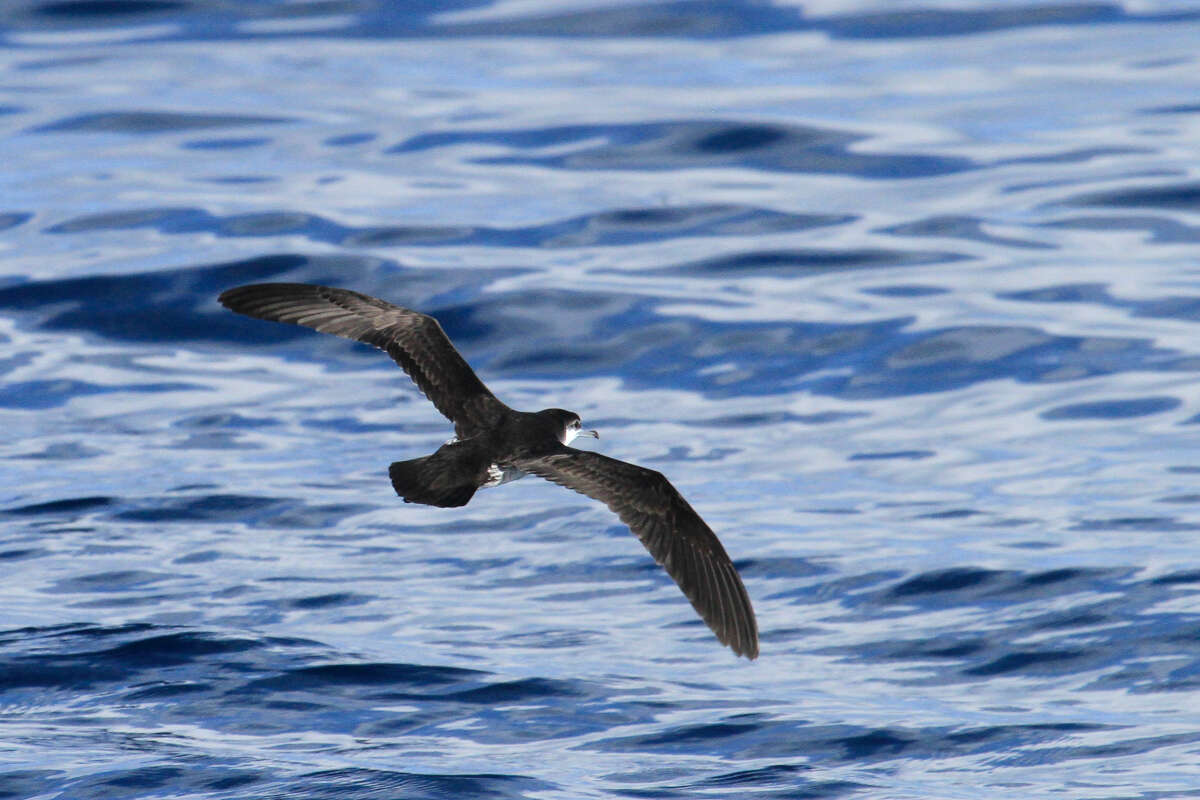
(451,475)
(494,444)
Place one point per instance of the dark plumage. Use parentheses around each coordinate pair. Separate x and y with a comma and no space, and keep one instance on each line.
(494,444)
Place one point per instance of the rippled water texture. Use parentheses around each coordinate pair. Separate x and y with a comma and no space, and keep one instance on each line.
(903,297)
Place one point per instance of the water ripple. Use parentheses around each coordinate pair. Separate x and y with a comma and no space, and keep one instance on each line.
(688,143)
(607,228)
(150,122)
(901,299)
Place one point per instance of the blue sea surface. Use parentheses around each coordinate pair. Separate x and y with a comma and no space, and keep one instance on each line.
(904,297)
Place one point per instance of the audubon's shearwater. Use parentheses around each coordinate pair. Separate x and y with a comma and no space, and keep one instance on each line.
(494,444)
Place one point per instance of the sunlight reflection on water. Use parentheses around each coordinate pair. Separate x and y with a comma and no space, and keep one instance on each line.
(902,304)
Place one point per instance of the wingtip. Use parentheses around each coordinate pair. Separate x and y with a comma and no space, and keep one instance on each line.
(229,298)
(739,633)
(747,648)
(224,297)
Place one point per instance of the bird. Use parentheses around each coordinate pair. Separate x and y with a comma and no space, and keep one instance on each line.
(495,444)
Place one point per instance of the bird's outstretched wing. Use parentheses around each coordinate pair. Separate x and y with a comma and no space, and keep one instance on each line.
(415,340)
(669,528)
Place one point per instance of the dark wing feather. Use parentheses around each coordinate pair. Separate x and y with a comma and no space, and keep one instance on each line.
(415,340)
(670,529)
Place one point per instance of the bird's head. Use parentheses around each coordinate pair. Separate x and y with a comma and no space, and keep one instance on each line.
(572,426)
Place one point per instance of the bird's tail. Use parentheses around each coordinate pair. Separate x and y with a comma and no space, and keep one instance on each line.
(447,478)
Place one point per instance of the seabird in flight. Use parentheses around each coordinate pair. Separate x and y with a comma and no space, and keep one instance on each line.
(494,444)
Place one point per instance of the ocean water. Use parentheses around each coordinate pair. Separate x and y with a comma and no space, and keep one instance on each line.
(903,296)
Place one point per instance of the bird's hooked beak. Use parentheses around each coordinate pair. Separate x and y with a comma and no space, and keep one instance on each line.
(574,430)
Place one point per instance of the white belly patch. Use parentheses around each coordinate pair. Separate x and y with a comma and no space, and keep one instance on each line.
(498,475)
